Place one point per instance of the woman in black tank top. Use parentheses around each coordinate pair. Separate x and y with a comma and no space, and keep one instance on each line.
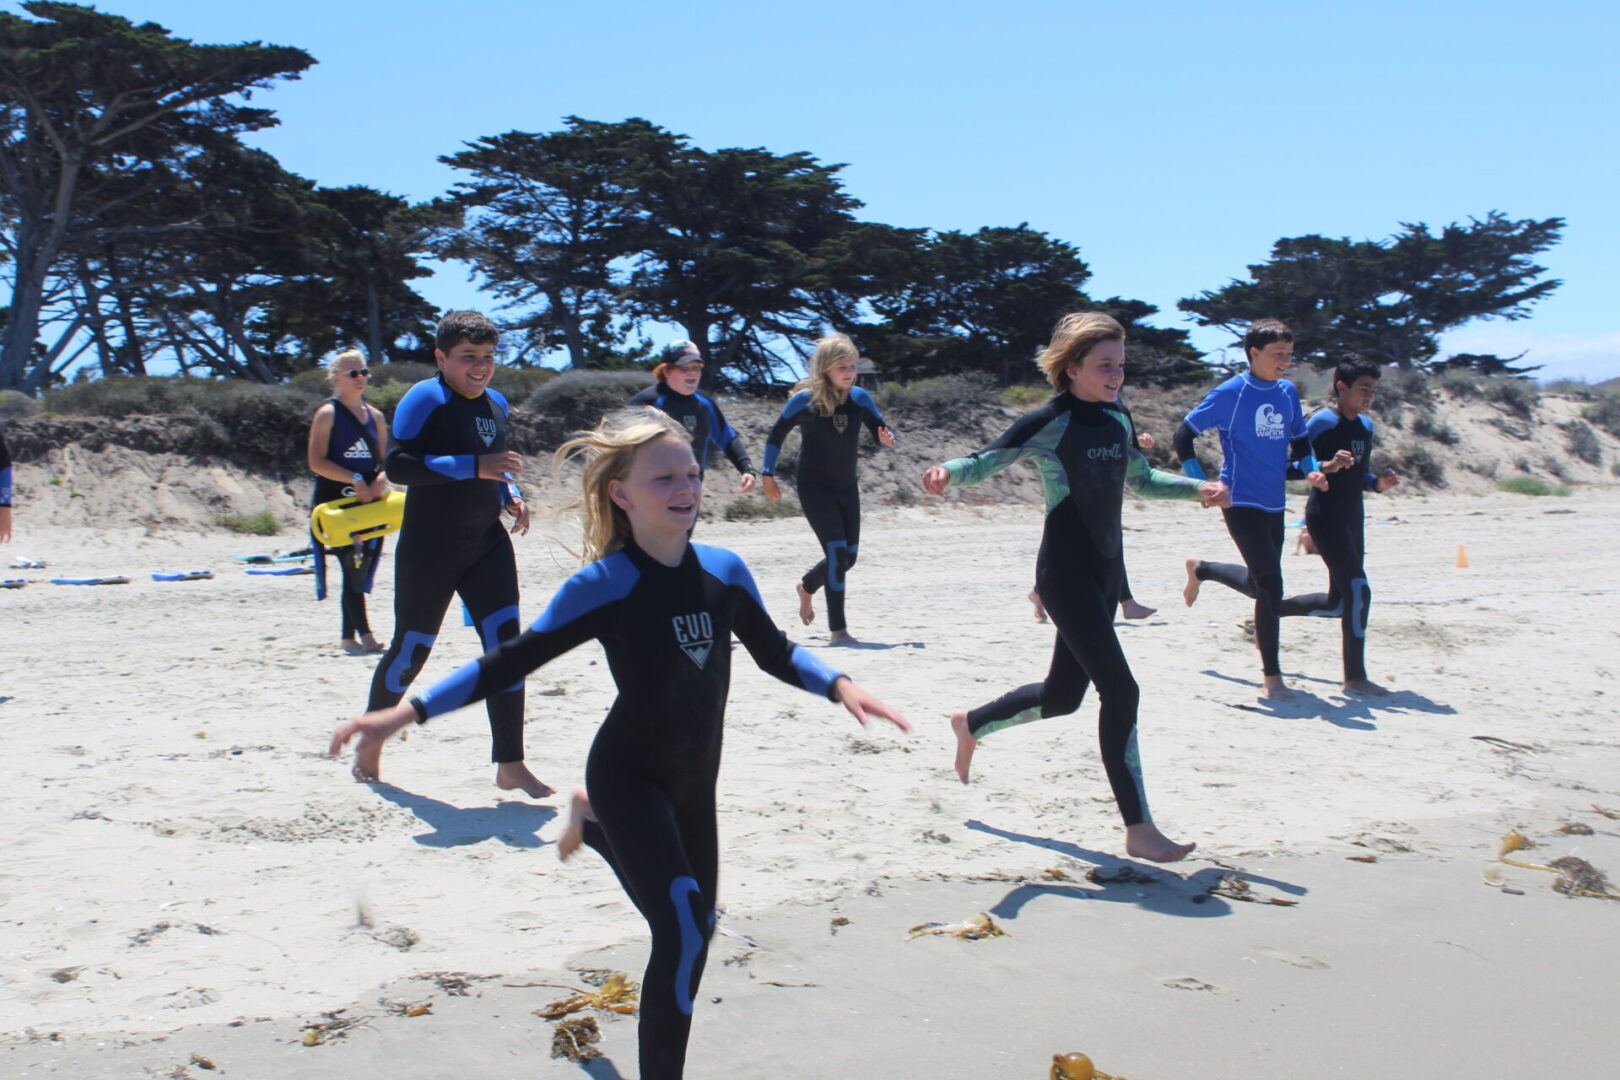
(345,454)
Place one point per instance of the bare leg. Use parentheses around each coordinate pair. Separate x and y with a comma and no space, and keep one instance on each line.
(965,742)
(1365,686)
(1190,592)
(1132,610)
(1145,841)
(807,606)
(514,776)
(1277,690)
(1040,608)
(579,812)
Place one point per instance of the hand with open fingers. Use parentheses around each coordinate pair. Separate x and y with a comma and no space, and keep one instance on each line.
(747,484)
(886,437)
(520,514)
(375,726)
(769,486)
(498,465)
(863,706)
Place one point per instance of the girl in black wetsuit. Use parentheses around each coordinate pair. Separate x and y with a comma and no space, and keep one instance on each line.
(1083,443)
(664,609)
(829,410)
(346,441)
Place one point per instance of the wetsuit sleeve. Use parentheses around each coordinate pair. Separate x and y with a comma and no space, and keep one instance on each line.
(509,489)
(1370,479)
(576,615)
(773,652)
(1182,440)
(793,414)
(410,461)
(5,472)
(1144,479)
(1018,443)
(869,410)
(729,441)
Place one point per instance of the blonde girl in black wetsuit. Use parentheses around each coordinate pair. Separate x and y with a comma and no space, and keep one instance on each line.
(1083,443)
(346,441)
(664,610)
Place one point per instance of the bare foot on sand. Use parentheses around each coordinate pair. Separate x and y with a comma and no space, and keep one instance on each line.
(841,637)
(1277,690)
(965,742)
(367,760)
(1040,608)
(371,644)
(1145,841)
(1365,686)
(807,606)
(515,776)
(352,647)
(579,812)
(1132,610)
(1190,592)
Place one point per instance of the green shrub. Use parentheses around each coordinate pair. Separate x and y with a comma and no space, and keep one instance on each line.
(762,509)
(263,523)
(1575,388)
(1409,387)
(1459,382)
(1531,485)
(1605,413)
(1025,397)
(1583,442)
(1517,396)
(14,405)
(1419,462)
(1429,426)
(943,392)
(577,400)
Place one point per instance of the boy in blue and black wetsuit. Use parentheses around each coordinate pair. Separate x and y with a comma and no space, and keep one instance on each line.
(1334,516)
(448,445)
(679,370)
(5,490)
(1258,416)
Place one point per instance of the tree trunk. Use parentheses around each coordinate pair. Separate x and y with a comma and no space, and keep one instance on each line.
(569,320)
(374,341)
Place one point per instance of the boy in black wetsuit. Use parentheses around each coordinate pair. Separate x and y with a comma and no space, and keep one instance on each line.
(448,446)
(1334,516)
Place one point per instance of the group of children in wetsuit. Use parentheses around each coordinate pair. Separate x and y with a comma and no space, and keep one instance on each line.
(665,608)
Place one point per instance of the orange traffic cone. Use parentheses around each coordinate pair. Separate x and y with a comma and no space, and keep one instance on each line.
(1462,557)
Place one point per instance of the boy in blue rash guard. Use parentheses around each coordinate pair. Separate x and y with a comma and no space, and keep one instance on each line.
(1082,441)
(678,371)
(665,610)
(449,447)
(829,410)
(5,490)
(1259,417)
(1335,520)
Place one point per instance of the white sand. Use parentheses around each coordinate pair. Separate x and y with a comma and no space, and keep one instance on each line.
(180,855)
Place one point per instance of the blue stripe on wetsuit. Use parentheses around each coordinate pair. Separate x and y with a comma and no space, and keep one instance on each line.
(411,416)
(5,486)
(795,405)
(725,565)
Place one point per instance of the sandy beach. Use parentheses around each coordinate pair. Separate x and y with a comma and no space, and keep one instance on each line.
(186,875)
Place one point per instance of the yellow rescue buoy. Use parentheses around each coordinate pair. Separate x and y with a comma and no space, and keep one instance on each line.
(343,521)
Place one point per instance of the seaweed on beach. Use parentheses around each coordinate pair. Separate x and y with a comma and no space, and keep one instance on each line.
(973,928)
(1236,887)
(1576,876)
(576,1039)
(617,994)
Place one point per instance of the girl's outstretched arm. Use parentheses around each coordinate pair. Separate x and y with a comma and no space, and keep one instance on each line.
(863,706)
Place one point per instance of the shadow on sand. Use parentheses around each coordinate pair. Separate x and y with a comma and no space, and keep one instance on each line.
(515,824)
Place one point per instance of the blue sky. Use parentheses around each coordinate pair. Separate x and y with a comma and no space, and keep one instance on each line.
(1172,142)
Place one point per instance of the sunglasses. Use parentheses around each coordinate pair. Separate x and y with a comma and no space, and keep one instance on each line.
(359,372)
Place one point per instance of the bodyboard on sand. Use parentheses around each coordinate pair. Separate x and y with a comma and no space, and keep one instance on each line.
(13,582)
(285,572)
(182,575)
(258,559)
(113,580)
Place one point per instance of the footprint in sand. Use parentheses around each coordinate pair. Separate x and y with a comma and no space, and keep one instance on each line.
(1297,959)
(1186,982)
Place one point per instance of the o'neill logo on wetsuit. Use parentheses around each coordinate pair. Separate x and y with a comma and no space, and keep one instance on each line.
(840,424)
(486,428)
(358,450)
(1268,423)
(695,635)
(1106,453)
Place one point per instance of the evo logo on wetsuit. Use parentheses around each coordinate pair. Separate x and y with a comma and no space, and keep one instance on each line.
(1269,423)
(487,429)
(840,422)
(695,635)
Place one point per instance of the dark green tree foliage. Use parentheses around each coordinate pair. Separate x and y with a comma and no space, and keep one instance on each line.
(94,112)
(1389,300)
(547,218)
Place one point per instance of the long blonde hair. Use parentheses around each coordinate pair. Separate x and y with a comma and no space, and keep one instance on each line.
(1075,335)
(608,452)
(823,394)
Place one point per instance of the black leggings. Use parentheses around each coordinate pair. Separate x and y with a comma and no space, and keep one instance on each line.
(1343,546)
(1258,535)
(428,570)
(836,518)
(356,562)
(661,841)
(1086,651)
